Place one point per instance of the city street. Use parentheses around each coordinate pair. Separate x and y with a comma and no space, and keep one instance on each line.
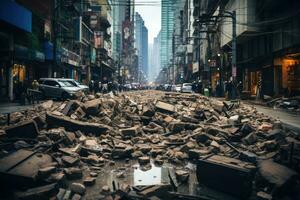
(149,100)
(141,144)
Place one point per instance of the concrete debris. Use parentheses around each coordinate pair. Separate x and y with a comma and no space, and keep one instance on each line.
(27,129)
(42,192)
(77,188)
(210,171)
(278,176)
(72,145)
(74,125)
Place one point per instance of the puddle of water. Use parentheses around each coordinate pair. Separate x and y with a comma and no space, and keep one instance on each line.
(154,176)
(134,175)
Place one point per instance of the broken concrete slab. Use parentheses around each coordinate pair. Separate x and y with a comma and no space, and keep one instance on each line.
(27,129)
(237,176)
(21,167)
(162,106)
(42,192)
(276,174)
(74,125)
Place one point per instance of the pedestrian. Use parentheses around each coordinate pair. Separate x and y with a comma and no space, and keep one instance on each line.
(194,86)
(100,86)
(35,85)
(96,87)
(229,89)
(239,89)
(91,86)
(218,89)
(104,85)
(200,87)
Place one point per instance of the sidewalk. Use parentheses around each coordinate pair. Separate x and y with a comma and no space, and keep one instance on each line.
(14,107)
(290,120)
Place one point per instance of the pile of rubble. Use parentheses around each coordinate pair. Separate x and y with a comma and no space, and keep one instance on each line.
(290,104)
(237,150)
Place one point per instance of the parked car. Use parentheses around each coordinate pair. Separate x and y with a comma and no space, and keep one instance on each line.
(178,88)
(186,88)
(83,87)
(173,88)
(58,88)
(127,87)
(167,87)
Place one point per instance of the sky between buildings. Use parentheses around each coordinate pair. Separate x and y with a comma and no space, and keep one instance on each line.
(150,11)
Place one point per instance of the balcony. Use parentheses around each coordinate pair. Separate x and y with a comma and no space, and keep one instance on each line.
(70,57)
(83,33)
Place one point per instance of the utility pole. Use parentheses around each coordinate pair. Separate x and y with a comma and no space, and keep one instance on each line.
(119,68)
(231,15)
(234,45)
(55,13)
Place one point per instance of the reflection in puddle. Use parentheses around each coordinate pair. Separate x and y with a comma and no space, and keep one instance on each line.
(134,175)
(154,176)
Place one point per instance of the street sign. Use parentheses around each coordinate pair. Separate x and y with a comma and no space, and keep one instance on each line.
(233,71)
(195,67)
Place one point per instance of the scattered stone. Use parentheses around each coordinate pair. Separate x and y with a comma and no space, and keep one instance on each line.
(105,189)
(73,173)
(120,174)
(263,196)
(251,138)
(76,197)
(27,129)
(45,172)
(89,181)
(265,127)
(77,188)
(70,161)
(67,195)
(93,174)
(144,160)
(182,175)
(61,193)
(92,107)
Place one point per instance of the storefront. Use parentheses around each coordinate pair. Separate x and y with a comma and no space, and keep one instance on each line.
(70,65)
(215,78)
(287,74)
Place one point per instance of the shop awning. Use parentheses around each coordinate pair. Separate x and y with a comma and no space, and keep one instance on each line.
(105,64)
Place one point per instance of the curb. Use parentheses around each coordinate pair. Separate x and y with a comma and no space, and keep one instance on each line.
(291,127)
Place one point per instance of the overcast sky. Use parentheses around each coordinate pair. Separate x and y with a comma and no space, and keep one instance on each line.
(150,10)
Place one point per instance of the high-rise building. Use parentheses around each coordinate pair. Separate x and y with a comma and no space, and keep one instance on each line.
(167,25)
(141,43)
(145,49)
(155,67)
(150,62)
(118,15)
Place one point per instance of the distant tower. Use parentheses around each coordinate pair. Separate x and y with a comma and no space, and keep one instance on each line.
(167,25)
